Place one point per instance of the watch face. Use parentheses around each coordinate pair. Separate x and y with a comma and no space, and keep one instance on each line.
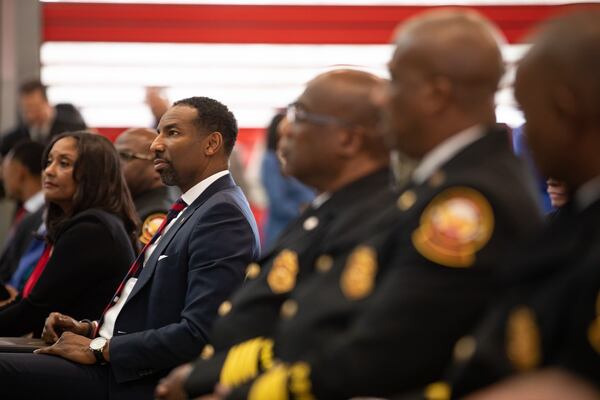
(98,343)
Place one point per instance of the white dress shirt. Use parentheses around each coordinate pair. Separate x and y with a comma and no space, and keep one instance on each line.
(444,152)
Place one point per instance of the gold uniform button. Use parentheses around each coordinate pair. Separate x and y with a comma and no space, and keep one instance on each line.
(224,308)
(437,179)
(252,271)
(207,352)
(310,223)
(464,348)
(324,263)
(406,200)
(289,308)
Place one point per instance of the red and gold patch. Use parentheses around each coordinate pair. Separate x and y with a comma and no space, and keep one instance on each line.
(150,226)
(455,225)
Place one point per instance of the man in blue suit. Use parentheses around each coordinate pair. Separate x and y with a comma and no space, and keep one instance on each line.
(162,312)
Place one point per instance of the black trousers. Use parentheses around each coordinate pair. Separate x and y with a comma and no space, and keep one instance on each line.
(37,376)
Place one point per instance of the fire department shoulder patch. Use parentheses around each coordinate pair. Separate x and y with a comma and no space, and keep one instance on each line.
(454,226)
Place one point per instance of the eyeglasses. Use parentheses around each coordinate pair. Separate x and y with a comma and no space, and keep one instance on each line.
(295,114)
(128,156)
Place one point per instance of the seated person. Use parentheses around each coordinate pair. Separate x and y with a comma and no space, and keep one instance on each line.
(161,314)
(91,227)
(39,120)
(21,172)
(541,338)
(287,196)
(151,198)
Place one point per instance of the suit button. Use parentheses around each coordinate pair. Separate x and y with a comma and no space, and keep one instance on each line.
(310,223)
(324,263)
(289,308)
(207,352)
(224,308)
(437,178)
(464,348)
(252,271)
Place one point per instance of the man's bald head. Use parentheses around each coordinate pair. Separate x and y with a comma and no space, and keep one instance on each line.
(330,137)
(347,94)
(133,146)
(569,49)
(140,136)
(558,89)
(444,75)
(460,45)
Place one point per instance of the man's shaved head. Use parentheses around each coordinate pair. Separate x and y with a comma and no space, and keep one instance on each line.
(458,44)
(558,89)
(444,75)
(332,137)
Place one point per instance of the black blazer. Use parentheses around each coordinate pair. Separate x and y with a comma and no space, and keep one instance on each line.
(91,255)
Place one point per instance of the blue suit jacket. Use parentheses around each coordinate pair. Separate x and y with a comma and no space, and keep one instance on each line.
(196,265)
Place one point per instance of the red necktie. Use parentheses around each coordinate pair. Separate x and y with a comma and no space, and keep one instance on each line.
(139,261)
(37,271)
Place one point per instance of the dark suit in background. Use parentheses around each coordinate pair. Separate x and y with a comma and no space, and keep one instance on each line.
(67,118)
(18,244)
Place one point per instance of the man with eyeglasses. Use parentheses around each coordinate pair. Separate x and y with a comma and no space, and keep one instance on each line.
(152,199)
(329,141)
(421,284)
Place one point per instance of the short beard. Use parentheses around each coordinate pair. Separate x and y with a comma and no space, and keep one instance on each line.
(168,177)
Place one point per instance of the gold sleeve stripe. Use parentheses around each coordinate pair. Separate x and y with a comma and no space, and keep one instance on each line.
(271,385)
(243,360)
(266,355)
(300,385)
(437,391)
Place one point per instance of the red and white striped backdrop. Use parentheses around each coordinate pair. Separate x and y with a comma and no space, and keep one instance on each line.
(253,57)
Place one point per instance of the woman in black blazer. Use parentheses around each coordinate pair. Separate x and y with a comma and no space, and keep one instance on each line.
(91,226)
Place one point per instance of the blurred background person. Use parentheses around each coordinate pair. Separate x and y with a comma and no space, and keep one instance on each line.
(151,198)
(558,192)
(21,175)
(157,101)
(91,233)
(521,148)
(286,195)
(39,120)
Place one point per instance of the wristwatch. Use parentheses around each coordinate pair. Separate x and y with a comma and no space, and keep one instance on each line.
(97,346)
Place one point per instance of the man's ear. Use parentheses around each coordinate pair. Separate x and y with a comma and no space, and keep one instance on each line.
(565,102)
(214,142)
(438,92)
(352,140)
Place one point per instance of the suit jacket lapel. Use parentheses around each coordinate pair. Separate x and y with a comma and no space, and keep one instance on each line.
(222,183)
